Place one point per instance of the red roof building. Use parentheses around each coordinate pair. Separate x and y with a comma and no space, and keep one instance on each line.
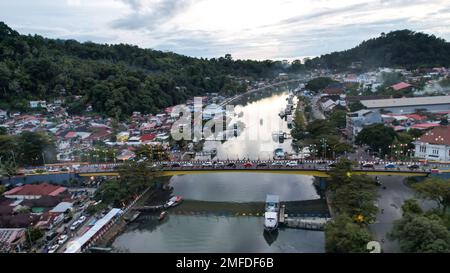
(400,86)
(35,191)
(148,137)
(424,126)
(439,136)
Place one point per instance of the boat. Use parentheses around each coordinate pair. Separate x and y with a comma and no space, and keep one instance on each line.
(174,201)
(162,215)
(271,214)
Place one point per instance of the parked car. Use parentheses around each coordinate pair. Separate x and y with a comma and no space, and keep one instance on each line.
(207,164)
(220,164)
(82,219)
(74,225)
(176,165)
(62,239)
(51,236)
(231,165)
(53,248)
(390,166)
(188,164)
(277,163)
(368,165)
(292,164)
(248,164)
(262,164)
(332,165)
(414,167)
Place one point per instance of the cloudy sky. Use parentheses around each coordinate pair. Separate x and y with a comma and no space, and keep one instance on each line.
(248,29)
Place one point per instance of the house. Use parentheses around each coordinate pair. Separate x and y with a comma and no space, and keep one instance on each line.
(12,239)
(434,145)
(401,86)
(3,114)
(328,105)
(36,191)
(356,121)
(38,104)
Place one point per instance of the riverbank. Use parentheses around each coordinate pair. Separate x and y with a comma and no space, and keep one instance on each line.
(157,195)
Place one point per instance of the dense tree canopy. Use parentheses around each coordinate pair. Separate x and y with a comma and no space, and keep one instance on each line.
(376,136)
(421,234)
(402,48)
(115,79)
(342,235)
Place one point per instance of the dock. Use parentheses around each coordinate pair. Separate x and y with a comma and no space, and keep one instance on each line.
(307,223)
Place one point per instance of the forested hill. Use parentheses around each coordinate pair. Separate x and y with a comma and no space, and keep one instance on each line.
(402,48)
(115,79)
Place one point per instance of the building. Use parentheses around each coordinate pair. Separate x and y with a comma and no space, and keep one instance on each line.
(356,121)
(3,114)
(12,239)
(434,145)
(409,105)
(38,104)
(401,86)
(35,191)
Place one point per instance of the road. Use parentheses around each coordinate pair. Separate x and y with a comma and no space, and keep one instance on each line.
(310,165)
(389,204)
(317,113)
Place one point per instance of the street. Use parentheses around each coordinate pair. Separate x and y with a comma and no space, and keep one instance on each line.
(390,201)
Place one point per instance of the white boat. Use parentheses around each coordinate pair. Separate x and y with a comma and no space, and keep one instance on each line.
(271,214)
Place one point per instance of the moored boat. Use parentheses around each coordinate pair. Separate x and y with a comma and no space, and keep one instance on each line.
(162,215)
(271,214)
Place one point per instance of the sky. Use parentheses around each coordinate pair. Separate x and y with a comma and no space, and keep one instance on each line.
(247,29)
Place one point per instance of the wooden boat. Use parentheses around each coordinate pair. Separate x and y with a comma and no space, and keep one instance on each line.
(162,215)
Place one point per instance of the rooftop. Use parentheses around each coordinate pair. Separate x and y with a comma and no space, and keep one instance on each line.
(439,135)
(418,101)
(39,189)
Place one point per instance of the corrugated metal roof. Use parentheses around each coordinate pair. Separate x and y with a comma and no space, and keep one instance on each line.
(418,101)
(77,244)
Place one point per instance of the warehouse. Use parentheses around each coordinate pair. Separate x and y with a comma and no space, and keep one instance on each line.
(409,105)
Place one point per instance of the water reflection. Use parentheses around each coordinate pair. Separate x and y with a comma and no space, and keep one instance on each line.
(261,121)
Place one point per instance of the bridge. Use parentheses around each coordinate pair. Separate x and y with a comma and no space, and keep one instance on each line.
(311,168)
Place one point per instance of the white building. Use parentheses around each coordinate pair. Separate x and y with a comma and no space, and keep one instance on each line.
(38,103)
(3,114)
(434,145)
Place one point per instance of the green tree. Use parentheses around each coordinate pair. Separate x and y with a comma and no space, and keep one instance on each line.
(339,118)
(376,136)
(435,189)
(356,106)
(411,206)
(3,131)
(35,148)
(319,83)
(34,234)
(421,234)
(342,235)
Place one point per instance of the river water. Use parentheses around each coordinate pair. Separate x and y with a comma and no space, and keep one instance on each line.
(182,233)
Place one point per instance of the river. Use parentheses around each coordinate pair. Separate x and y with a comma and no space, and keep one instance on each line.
(183,233)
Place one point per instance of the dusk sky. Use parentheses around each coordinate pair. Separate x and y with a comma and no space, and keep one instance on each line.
(248,29)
